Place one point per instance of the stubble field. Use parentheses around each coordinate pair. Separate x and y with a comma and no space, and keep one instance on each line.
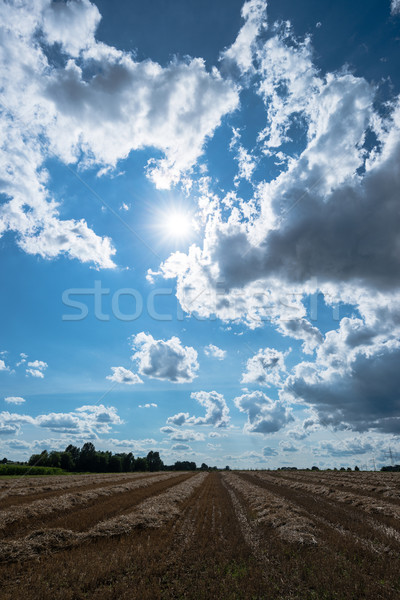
(225,535)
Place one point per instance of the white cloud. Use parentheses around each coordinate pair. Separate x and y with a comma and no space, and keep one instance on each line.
(18,445)
(85,421)
(38,364)
(265,367)
(37,368)
(93,106)
(178,419)
(178,447)
(168,360)
(246,161)
(347,447)
(182,435)
(288,85)
(3,366)
(395,7)
(241,51)
(297,241)
(301,329)
(148,405)
(263,414)
(268,452)
(288,447)
(35,373)
(217,411)
(71,24)
(215,352)
(8,429)
(14,400)
(357,362)
(131,445)
(122,375)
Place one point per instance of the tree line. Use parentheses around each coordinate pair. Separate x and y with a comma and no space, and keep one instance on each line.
(88,459)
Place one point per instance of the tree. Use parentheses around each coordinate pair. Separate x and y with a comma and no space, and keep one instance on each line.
(128,462)
(115,464)
(141,464)
(87,459)
(154,461)
(356,468)
(54,459)
(75,453)
(204,467)
(66,461)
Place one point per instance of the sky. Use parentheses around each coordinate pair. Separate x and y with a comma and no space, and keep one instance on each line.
(199,230)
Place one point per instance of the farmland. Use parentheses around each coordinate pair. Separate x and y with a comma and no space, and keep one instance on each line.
(249,534)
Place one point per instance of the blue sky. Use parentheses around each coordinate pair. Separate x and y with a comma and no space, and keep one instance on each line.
(218,184)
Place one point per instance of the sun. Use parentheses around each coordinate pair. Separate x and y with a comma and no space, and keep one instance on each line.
(178,224)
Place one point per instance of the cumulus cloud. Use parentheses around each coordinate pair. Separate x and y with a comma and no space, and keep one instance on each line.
(178,419)
(3,366)
(71,24)
(90,107)
(241,51)
(328,223)
(35,373)
(178,447)
(263,414)
(215,352)
(14,400)
(122,375)
(288,447)
(361,394)
(168,360)
(88,420)
(182,435)
(301,329)
(148,405)
(38,364)
(131,445)
(217,411)
(246,161)
(36,368)
(265,367)
(298,242)
(268,451)
(18,445)
(346,447)
(8,429)
(395,7)
(353,381)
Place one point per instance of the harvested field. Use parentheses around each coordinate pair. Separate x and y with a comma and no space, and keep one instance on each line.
(212,535)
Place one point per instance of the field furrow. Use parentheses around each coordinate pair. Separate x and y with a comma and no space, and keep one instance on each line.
(152,512)
(25,495)
(383,492)
(197,536)
(75,510)
(379,507)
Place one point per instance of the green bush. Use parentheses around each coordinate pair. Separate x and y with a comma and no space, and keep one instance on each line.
(26,470)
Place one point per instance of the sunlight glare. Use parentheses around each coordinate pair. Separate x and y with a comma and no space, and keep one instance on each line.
(178,225)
